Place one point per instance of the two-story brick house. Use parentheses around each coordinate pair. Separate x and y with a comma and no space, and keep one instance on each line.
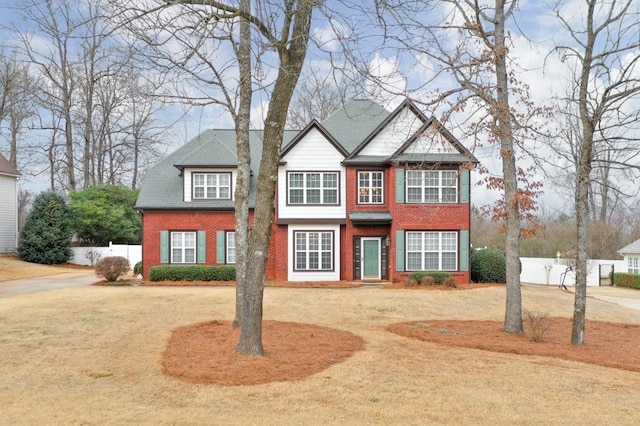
(367,194)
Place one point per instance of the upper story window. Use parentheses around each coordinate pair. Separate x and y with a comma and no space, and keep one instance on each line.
(432,251)
(432,186)
(313,188)
(212,186)
(370,186)
(183,247)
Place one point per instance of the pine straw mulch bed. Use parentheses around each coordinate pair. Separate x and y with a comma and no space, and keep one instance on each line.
(204,353)
(607,344)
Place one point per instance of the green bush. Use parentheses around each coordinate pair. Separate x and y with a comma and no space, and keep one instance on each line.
(112,267)
(488,266)
(46,237)
(137,268)
(622,279)
(420,277)
(192,273)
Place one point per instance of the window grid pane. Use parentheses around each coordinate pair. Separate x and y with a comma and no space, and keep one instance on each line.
(183,247)
(313,188)
(212,185)
(231,247)
(431,250)
(370,187)
(314,251)
(432,186)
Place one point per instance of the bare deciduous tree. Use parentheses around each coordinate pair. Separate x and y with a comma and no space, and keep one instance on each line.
(277,30)
(603,51)
(467,41)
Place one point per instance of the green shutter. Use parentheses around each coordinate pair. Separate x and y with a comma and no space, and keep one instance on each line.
(464,186)
(164,246)
(220,245)
(399,185)
(464,250)
(202,246)
(399,250)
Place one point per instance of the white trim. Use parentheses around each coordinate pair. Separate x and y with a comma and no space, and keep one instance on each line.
(293,275)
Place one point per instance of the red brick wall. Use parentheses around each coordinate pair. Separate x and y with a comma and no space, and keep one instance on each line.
(431,217)
(405,217)
(153,222)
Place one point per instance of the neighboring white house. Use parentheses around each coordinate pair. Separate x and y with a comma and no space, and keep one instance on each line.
(8,206)
(631,254)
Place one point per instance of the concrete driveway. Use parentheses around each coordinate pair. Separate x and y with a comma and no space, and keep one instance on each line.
(627,297)
(48,282)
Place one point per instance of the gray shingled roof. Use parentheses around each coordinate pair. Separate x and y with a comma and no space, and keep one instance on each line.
(632,248)
(162,186)
(351,124)
(6,168)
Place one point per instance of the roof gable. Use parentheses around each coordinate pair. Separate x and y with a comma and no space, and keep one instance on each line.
(394,118)
(632,248)
(6,168)
(304,132)
(433,140)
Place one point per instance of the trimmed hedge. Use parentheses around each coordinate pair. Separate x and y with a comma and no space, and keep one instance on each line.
(622,279)
(137,268)
(488,266)
(420,277)
(192,273)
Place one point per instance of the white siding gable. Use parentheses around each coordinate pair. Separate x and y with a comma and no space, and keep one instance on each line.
(391,138)
(8,214)
(431,142)
(187,179)
(313,153)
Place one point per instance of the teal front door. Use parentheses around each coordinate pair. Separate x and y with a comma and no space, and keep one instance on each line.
(370,258)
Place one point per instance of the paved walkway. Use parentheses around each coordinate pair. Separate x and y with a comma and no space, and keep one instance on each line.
(46,283)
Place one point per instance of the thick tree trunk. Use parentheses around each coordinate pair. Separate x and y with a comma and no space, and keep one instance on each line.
(291,61)
(502,117)
(242,121)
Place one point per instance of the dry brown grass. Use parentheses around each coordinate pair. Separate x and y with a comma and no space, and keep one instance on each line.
(12,268)
(93,356)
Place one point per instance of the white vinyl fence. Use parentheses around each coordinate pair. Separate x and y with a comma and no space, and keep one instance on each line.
(552,271)
(92,255)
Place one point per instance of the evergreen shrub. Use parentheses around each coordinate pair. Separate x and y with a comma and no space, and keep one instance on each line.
(488,266)
(622,279)
(46,236)
(427,277)
(192,273)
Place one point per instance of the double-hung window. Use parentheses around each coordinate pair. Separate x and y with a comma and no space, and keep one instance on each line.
(183,247)
(432,251)
(633,265)
(370,186)
(313,251)
(230,255)
(432,186)
(313,188)
(212,186)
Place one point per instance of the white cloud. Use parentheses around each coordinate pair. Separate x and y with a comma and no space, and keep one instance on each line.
(389,86)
